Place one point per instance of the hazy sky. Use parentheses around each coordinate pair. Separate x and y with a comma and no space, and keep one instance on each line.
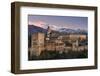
(59,21)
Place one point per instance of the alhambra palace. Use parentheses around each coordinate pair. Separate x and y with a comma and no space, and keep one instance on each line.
(52,41)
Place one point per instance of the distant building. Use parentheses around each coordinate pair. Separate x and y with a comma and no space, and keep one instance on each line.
(77,36)
(74,37)
(53,41)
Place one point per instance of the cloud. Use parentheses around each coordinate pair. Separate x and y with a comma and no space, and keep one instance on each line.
(37,23)
(52,26)
(43,24)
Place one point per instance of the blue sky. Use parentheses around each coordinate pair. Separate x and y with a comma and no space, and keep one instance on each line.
(59,21)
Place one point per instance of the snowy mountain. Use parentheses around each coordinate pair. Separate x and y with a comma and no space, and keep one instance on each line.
(68,30)
(34,29)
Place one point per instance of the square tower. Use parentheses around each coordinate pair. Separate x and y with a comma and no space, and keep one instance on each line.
(37,44)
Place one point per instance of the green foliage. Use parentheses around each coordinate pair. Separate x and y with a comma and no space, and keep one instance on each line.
(48,55)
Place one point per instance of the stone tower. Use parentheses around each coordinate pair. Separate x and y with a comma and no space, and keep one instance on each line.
(37,43)
(48,34)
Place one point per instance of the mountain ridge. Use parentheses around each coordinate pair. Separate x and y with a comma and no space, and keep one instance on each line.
(34,29)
